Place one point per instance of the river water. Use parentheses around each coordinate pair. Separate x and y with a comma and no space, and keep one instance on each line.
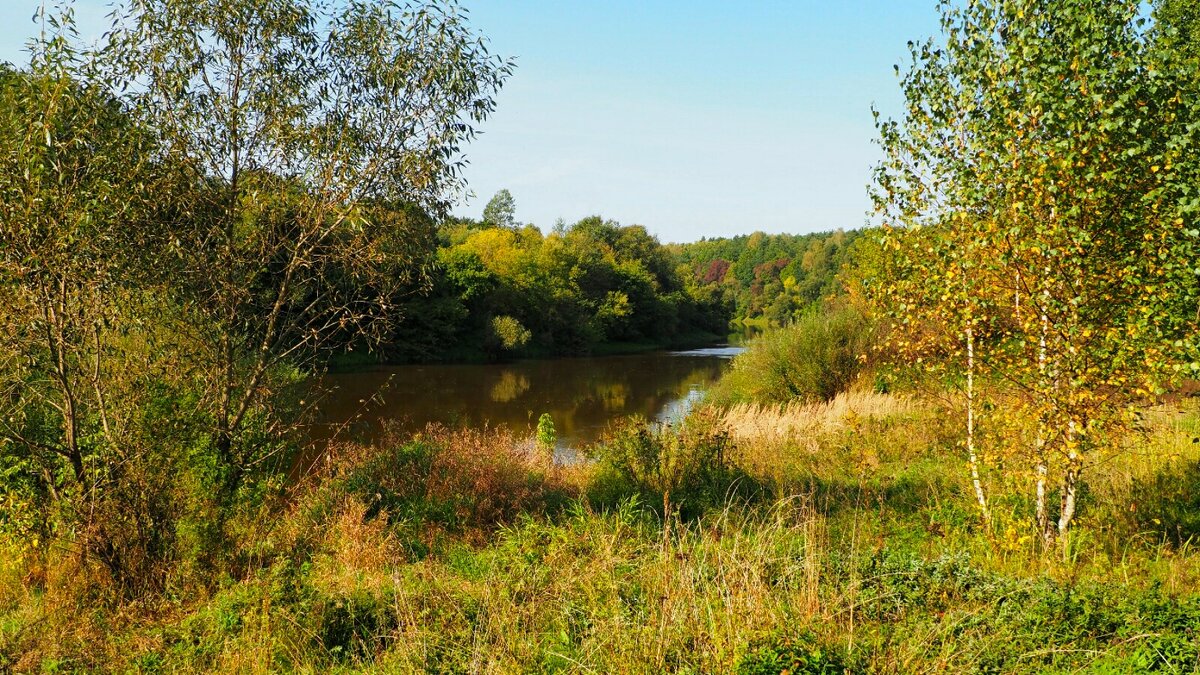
(582,395)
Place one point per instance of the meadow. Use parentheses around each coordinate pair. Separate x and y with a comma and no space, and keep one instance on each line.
(807,538)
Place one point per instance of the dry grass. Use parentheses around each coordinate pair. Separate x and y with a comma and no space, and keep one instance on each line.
(856,431)
(484,477)
(505,474)
(356,552)
(797,422)
(62,612)
(596,592)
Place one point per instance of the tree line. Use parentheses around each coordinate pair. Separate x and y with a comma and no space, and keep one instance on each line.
(771,279)
(500,289)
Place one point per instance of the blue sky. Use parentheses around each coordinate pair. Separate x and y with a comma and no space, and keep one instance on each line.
(693,118)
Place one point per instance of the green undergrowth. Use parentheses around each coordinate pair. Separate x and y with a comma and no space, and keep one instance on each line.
(471,552)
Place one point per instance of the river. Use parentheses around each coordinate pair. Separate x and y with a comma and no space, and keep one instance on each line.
(582,395)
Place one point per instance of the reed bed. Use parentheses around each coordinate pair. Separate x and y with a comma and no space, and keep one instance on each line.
(797,421)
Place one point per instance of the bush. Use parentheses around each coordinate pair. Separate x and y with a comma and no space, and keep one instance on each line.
(452,480)
(355,628)
(547,437)
(814,359)
(507,335)
(688,470)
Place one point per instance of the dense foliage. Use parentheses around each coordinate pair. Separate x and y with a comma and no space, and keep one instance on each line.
(1040,198)
(817,357)
(772,279)
(598,285)
(575,289)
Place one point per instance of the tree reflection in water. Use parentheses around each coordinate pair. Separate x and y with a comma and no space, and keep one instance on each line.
(583,395)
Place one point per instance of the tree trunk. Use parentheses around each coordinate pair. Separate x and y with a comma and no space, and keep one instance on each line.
(54,314)
(1070,482)
(973,459)
(1017,298)
(1042,509)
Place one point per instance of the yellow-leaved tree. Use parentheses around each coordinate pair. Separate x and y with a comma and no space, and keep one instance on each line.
(1039,206)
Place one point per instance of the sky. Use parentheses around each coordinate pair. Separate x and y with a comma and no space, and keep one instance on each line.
(694,118)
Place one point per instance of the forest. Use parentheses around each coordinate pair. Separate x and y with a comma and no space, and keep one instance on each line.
(498,289)
(963,439)
(772,279)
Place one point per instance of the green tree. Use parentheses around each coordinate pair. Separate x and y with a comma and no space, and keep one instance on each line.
(1178,22)
(189,217)
(507,335)
(501,211)
(81,358)
(294,124)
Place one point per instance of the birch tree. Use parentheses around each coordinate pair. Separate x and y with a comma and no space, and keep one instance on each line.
(1049,147)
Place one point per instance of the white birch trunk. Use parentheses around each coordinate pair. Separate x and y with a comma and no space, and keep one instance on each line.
(1070,482)
(1017,298)
(1042,509)
(972,458)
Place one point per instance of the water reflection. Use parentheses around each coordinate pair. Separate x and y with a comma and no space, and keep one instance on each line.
(583,395)
(510,386)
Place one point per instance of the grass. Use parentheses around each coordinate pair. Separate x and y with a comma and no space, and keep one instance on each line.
(469,551)
(796,421)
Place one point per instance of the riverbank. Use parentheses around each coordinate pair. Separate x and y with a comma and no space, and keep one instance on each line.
(850,543)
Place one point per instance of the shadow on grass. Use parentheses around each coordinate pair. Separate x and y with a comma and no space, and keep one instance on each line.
(1168,504)
(903,495)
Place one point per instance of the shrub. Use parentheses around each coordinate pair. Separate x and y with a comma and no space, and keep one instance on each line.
(452,480)
(355,628)
(814,359)
(546,434)
(507,335)
(797,654)
(689,469)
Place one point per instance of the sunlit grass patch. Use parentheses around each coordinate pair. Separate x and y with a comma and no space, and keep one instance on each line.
(606,592)
(797,421)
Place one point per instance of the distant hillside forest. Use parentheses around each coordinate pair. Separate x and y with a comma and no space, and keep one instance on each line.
(496,288)
(772,279)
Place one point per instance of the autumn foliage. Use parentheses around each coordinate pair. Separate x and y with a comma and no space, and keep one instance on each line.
(1039,231)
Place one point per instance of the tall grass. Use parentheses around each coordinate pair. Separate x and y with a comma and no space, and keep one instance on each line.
(795,420)
(469,551)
